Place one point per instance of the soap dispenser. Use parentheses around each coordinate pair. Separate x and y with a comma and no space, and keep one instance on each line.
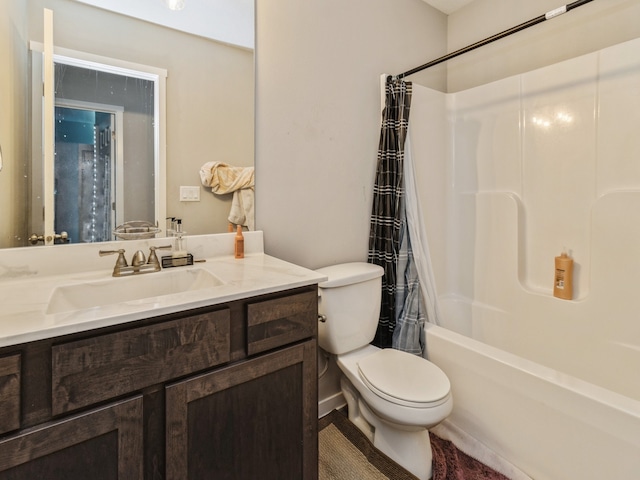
(239,243)
(180,249)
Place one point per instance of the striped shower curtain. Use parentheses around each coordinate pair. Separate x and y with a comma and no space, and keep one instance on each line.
(407,292)
(388,219)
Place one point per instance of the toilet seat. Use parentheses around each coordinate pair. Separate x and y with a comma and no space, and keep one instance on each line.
(404,379)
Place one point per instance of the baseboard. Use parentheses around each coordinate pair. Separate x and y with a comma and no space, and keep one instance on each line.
(333,402)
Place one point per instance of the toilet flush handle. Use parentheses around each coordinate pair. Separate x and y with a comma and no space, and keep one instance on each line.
(322,318)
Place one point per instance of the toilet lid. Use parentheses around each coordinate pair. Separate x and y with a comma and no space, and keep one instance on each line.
(404,379)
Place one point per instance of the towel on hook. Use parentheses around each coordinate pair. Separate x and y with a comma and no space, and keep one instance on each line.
(223,179)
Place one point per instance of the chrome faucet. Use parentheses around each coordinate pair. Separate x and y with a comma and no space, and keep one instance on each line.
(139,263)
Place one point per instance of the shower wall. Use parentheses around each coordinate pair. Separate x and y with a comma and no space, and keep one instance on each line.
(537,163)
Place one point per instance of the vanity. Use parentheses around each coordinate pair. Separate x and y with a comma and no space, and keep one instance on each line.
(215,380)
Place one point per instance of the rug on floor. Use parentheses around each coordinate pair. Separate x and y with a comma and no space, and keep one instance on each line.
(449,463)
(345,453)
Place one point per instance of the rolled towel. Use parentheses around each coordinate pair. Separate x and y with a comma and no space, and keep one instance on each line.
(223,179)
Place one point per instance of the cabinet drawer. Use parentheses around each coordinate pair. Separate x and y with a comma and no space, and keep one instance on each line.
(277,322)
(96,369)
(9,393)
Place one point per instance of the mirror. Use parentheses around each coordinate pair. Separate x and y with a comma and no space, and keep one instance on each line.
(209,104)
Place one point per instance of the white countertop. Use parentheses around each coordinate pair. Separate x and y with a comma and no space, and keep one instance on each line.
(25,297)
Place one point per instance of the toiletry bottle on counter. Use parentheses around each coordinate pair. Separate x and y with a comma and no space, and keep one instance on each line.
(239,250)
(563,280)
(180,247)
(171,226)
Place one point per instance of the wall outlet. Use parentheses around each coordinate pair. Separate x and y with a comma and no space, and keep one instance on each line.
(189,194)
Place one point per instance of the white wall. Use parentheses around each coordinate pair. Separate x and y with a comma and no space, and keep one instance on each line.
(542,161)
(518,190)
(317,116)
(521,193)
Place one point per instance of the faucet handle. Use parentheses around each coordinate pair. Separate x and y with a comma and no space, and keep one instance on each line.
(152,248)
(153,258)
(121,262)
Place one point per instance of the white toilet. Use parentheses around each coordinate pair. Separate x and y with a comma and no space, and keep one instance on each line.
(394,397)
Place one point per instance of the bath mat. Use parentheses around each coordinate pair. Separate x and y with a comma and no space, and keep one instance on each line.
(476,449)
(449,463)
(345,453)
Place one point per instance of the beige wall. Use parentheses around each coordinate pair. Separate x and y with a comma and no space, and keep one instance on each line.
(318,106)
(317,101)
(13,141)
(209,95)
(593,26)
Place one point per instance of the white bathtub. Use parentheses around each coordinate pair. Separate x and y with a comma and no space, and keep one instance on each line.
(551,425)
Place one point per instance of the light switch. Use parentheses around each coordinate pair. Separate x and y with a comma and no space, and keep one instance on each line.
(189,194)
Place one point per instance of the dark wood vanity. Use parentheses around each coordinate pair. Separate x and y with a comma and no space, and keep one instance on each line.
(227,391)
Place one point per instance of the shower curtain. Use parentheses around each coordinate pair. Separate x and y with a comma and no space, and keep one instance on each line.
(408,289)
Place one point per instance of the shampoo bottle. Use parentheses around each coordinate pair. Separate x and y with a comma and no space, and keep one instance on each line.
(239,243)
(563,280)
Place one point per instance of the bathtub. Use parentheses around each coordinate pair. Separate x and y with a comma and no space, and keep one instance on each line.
(549,424)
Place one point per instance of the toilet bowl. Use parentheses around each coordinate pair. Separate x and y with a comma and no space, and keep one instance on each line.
(393,397)
(400,387)
(396,405)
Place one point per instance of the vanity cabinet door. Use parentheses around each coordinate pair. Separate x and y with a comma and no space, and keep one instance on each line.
(9,393)
(254,420)
(101,444)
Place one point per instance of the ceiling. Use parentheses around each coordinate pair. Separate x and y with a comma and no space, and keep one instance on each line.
(221,20)
(227,21)
(448,6)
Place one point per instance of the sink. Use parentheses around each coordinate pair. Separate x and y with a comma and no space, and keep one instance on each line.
(127,289)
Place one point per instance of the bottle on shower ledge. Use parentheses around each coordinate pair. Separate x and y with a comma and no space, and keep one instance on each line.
(563,279)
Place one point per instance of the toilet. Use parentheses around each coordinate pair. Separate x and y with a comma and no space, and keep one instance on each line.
(393,397)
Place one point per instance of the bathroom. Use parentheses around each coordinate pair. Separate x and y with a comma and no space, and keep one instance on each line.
(320,148)
(343,70)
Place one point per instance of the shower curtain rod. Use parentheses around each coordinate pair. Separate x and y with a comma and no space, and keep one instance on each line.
(534,21)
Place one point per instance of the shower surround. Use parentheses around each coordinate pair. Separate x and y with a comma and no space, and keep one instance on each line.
(537,163)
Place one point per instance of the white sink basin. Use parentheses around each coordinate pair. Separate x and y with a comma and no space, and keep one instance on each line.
(127,289)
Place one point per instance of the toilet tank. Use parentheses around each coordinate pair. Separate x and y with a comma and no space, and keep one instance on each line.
(350,301)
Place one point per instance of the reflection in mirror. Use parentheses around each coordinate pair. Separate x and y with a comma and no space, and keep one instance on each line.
(209,95)
(84,172)
(104,152)
(106,163)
